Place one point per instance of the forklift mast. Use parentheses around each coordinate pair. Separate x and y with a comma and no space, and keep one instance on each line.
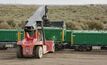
(35,22)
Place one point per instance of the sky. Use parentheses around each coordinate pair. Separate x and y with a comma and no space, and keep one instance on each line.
(54,2)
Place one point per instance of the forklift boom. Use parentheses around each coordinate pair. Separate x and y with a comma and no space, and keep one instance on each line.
(36,17)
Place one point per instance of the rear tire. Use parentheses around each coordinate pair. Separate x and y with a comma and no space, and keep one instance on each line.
(59,47)
(19,52)
(38,52)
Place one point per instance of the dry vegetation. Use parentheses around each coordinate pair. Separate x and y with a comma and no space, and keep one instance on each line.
(12,16)
(76,17)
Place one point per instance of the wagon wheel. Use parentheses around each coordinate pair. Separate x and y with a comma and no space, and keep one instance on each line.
(76,48)
(89,48)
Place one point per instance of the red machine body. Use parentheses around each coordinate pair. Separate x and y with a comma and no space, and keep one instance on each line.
(28,44)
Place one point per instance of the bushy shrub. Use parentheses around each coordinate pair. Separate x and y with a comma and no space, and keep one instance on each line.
(4,25)
(95,25)
(1,20)
(11,23)
(85,25)
(73,25)
(22,24)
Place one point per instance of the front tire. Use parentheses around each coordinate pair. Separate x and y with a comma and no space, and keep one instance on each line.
(38,52)
(19,52)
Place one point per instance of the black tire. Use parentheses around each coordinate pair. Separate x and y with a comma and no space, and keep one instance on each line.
(56,47)
(19,52)
(59,47)
(38,52)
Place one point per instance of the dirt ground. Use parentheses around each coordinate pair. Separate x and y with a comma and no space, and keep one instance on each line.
(64,57)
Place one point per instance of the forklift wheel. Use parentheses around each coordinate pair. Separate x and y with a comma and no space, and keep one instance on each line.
(38,52)
(19,52)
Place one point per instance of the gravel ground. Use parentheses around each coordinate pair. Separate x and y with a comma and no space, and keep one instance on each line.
(64,57)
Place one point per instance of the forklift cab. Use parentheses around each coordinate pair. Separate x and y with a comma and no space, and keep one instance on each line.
(33,31)
(30,31)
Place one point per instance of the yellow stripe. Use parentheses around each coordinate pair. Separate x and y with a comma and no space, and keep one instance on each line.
(62,35)
(72,39)
(19,36)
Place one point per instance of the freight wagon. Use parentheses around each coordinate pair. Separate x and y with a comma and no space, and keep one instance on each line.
(83,40)
(9,37)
